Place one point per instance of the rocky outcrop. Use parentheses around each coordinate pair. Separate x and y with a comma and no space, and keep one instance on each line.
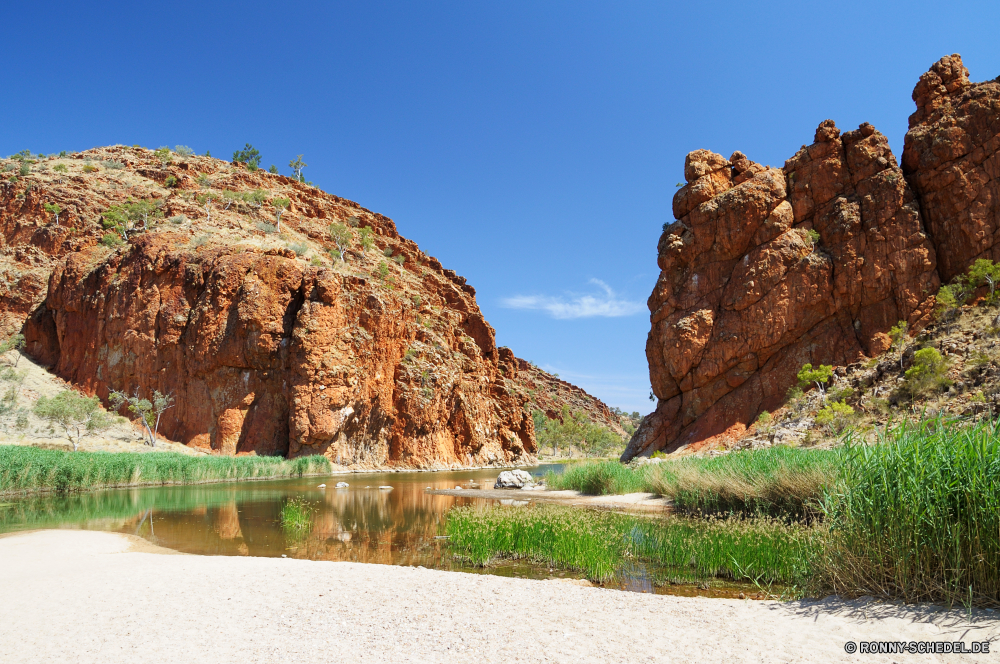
(950,158)
(268,343)
(746,295)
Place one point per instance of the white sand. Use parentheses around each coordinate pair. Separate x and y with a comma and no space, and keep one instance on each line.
(76,596)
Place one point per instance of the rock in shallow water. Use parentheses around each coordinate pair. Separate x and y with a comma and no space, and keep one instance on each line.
(513,479)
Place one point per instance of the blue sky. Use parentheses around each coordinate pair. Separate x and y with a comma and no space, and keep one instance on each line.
(533,147)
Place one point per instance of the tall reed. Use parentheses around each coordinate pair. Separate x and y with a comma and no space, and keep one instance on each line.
(606,545)
(779,481)
(26,469)
(917,516)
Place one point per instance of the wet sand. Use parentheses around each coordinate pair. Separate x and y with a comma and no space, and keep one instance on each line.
(80,596)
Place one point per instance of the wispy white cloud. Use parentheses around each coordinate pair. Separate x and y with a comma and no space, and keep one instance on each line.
(607,304)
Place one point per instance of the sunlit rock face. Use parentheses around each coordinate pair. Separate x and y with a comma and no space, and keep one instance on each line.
(746,296)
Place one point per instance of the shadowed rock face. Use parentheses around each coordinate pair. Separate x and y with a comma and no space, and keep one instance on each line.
(744,298)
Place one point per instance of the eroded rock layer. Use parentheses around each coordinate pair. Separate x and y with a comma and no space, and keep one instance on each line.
(746,295)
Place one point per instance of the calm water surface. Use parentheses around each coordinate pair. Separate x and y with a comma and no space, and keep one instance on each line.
(361,523)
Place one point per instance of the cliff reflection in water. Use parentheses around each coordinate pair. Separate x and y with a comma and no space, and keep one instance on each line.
(361,523)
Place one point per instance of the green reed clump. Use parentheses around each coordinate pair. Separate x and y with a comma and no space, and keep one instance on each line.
(296,517)
(25,469)
(599,478)
(917,516)
(778,481)
(607,545)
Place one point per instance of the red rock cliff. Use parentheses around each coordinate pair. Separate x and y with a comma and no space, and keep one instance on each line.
(268,343)
(745,297)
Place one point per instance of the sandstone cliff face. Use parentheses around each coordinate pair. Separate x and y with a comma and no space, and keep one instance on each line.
(950,158)
(268,343)
(745,298)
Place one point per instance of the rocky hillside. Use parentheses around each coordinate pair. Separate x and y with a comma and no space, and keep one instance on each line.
(270,342)
(767,269)
(550,394)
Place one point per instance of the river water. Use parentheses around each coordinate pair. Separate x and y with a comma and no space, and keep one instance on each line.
(363,523)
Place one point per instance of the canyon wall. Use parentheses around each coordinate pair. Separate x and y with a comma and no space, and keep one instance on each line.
(767,269)
(268,342)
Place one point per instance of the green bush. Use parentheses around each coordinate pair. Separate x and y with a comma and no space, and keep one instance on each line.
(835,416)
(170,182)
(183,150)
(163,154)
(24,170)
(929,372)
(576,429)
(60,168)
(818,376)
(112,240)
(249,155)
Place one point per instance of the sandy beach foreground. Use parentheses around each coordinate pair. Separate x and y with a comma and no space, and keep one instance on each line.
(77,596)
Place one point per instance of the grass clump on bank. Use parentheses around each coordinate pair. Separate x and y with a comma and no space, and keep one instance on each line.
(606,545)
(917,516)
(296,517)
(27,469)
(778,481)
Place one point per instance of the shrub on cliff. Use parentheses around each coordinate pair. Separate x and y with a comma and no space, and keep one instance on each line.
(929,372)
(367,242)
(297,165)
(280,205)
(163,154)
(985,272)
(341,236)
(112,240)
(818,376)
(898,336)
(53,209)
(183,150)
(249,155)
(835,416)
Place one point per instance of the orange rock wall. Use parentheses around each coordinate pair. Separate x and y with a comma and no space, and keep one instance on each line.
(745,298)
(265,350)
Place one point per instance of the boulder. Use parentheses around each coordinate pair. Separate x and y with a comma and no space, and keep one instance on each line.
(513,479)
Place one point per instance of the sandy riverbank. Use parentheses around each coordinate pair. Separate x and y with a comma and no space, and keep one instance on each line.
(79,596)
(636,502)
